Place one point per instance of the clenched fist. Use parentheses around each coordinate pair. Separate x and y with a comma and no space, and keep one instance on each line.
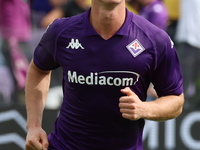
(36,139)
(130,105)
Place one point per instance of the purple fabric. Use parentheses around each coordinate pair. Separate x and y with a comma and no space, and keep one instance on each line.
(94,71)
(156,13)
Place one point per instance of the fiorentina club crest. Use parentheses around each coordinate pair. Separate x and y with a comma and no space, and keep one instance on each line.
(135,48)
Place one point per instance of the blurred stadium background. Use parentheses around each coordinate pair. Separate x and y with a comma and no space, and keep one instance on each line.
(182,133)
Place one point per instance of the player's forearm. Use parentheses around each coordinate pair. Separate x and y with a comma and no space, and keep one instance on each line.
(36,91)
(164,108)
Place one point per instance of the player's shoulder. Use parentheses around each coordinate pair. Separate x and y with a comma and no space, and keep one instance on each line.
(145,26)
(65,23)
(58,27)
(148,30)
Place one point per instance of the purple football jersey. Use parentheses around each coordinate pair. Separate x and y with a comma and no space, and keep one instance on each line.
(94,71)
(156,13)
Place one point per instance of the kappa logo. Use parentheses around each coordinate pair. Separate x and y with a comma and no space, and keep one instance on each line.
(135,48)
(74,44)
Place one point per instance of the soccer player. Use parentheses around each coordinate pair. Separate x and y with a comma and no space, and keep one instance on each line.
(108,56)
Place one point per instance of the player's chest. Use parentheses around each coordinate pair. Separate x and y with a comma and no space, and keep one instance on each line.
(96,55)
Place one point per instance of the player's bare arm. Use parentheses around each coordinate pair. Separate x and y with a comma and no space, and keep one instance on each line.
(161,109)
(36,94)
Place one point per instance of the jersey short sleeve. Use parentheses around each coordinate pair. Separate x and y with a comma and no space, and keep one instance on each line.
(167,76)
(45,52)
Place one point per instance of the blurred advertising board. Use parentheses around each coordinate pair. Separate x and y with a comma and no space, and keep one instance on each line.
(182,133)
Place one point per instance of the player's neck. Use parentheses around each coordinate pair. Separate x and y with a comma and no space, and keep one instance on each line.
(107,22)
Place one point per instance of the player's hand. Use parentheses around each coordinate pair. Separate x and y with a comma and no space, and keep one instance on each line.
(36,139)
(130,105)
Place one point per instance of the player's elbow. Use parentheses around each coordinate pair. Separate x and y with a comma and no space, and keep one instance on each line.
(181,103)
(179,111)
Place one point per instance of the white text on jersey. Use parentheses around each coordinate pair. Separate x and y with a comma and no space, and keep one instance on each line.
(95,79)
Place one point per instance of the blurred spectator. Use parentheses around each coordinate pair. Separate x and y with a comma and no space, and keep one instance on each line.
(188,40)
(15,29)
(41,5)
(57,3)
(173,11)
(39,8)
(133,6)
(70,8)
(6,81)
(154,11)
